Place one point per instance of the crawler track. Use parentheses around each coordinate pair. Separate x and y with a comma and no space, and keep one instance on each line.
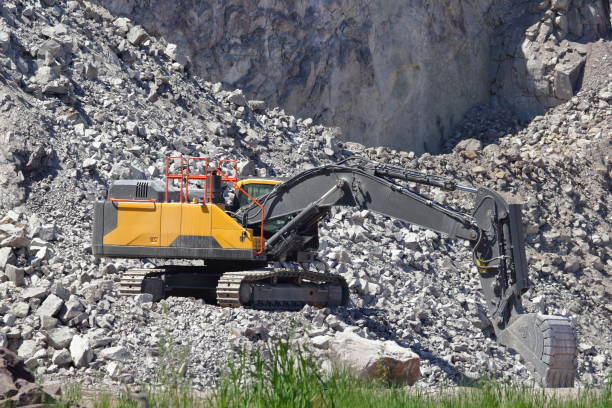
(131,280)
(231,289)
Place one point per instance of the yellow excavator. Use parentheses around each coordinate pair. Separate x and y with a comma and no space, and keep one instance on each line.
(258,248)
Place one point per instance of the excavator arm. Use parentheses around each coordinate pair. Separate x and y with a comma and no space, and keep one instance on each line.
(494,230)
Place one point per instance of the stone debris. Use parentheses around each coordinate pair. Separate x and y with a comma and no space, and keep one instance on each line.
(124,107)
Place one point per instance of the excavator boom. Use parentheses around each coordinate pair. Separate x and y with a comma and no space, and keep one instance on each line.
(494,230)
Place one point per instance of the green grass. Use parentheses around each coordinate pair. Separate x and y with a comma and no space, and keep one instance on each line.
(283,376)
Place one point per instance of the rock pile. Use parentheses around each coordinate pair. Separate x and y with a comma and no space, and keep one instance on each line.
(87,98)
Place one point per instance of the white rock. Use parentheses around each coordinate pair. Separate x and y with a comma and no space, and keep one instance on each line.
(375,359)
(137,35)
(122,24)
(27,349)
(6,257)
(34,292)
(71,309)
(5,40)
(113,369)
(51,305)
(15,274)
(60,337)
(80,351)
(21,309)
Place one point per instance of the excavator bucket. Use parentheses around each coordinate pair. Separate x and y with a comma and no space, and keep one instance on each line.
(547,344)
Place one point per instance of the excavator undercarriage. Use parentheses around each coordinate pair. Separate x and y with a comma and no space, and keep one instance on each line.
(272,222)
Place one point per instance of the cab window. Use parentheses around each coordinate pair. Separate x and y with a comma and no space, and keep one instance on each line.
(255,190)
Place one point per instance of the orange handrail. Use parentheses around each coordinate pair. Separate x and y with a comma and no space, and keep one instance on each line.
(185,175)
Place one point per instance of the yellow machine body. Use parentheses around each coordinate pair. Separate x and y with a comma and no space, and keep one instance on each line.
(146,227)
(161,224)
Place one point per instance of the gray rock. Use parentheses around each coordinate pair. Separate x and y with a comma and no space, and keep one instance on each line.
(34,292)
(57,87)
(58,290)
(48,51)
(21,309)
(6,257)
(257,106)
(238,98)
(375,359)
(321,342)
(143,298)
(60,337)
(173,52)
(89,163)
(47,322)
(561,5)
(47,232)
(469,147)
(9,320)
(5,41)
(565,77)
(80,351)
(116,353)
(16,236)
(122,24)
(137,35)
(50,306)
(90,71)
(71,309)
(61,357)
(15,274)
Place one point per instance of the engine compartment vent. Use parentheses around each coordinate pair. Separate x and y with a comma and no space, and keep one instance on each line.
(142,189)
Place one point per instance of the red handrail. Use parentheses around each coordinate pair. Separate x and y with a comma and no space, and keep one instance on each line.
(190,176)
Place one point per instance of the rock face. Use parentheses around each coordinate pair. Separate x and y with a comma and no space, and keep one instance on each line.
(375,359)
(388,72)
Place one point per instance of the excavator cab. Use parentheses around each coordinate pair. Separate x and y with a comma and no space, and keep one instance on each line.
(256,187)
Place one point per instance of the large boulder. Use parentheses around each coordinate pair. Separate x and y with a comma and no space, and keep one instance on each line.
(370,359)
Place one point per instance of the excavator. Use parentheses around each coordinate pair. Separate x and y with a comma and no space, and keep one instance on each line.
(259,248)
